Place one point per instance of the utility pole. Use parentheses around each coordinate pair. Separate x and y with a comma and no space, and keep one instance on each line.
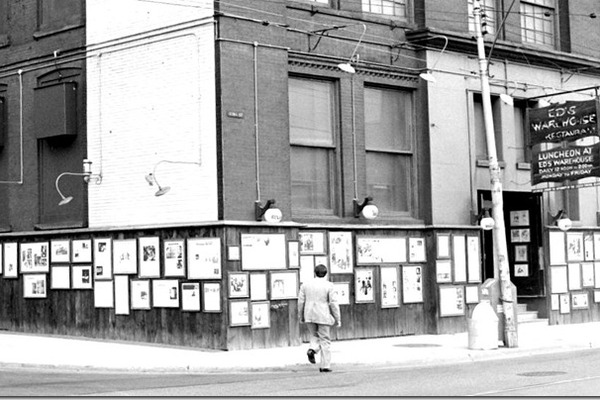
(499,231)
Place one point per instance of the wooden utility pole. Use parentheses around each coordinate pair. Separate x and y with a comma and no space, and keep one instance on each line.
(499,231)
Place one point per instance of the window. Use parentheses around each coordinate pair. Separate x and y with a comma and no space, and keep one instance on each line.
(57,14)
(389,148)
(537,22)
(523,151)
(479,128)
(396,8)
(571,201)
(313,145)
(489,11)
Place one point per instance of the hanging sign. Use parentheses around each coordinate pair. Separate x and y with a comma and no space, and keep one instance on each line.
(565,163)
(563,122)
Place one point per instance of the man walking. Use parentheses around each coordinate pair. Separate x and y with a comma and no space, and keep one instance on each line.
(319,310)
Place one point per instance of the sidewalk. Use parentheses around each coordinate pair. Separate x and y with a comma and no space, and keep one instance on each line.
(405,351)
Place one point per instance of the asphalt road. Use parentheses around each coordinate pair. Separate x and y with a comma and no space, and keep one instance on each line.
(565,374)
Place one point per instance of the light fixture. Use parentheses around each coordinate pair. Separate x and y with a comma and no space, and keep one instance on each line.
(87,177)
(486,222)
(428,75)
(347,66)
(151,177)
(367,208)
(561,220)
(268,213)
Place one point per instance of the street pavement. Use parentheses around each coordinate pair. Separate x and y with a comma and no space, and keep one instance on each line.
(75,353)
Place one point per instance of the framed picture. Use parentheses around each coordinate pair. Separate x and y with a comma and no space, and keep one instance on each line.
(587,274)
(103,259)
(190,296)
(211,297)
(412,284)
(258,286)
(81,251)
(363,285)
(588,247)
(416,249)
(558,255)
(35,258)
(521,253)
(472,294)
(597,274)
(443,271)
(11,260)
(390,287)
(459,258)
(239,284)
(1,259)
(260,315)
(519,218)
(307,268)
(341,259)
(443,245)
(60,251)
(263,251)
(239,313)
(165,293)
(565,303)
(34,286)
(293,254)
(452,301)
(140,294)
(596,296)
(81,277)
(579,301)
(473,259)
(121,294)
(312,242)
(559,279)
(380,250)
(149,256)
(554,302)
(233,253)
(342,290)
(104,294)
(60,277)
(596,245)
(284,285)
(521,270)
(323,260)
(574,271)
(174,258)
(204,258)
(124,256)
(575,246)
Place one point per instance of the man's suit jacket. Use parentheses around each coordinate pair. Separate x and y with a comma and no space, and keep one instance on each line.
(317,302)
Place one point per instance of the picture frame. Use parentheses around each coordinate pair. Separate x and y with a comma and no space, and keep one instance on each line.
(587,274)
(443,271)
(102,259)
(579,301)
(341,256)
(596,236)
(81,251)
(596,274)
(307,268)
(121,294)
(60,251)
(104,294)
(364,283)
(521,253)
(521,270)
(558,253)
(588,246)
(174,258)
(559,279)
(575,246)
(443,245)
(459,258)
(34,258)
(596,296)
(260,315)
(165,293)
(565,303)
(323,260)
(140,294)
(519,218)
(342,290)
(81,277)
(60,276)
(380,250)
(11,260)
(473,259)
(293,254)
(312,242)
(390,286)
(416,249)
(452,301)
(125,256)
(239,284)
(35,286)
(1,259)
(211,297)
(574,272)
(472,294)
(263,251)
(258,286)
(412,284)
(283,285)
(554,302)
(149,257)
(239,313)
(204,258)
(233,253)
(190,296)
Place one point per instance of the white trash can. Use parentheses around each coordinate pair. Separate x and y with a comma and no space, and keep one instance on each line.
(483,328)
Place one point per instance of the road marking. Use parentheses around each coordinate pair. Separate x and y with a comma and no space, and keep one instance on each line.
(535,386)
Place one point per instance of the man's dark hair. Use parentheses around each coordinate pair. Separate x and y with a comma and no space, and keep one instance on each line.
(320,270)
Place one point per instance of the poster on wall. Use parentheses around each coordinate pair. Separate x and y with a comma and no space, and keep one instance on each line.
(312,243)
(472,294)
(60,251)
(258,286)
(149,257)
(557,248)
(452,301)
(82,251)
(211,297)
(239,284)
(261,315)
(558,279)
(60,277)
(342,291)
(412,284)
(35,286)
(103,259)
(190,296)
(174,258)
(460,258)
(390,287)
(239,313)
(165,293)
(579,301)
(140,294)
(519,218)
(340,253)
(284,285)
(124,256)
(307,268)
(596,274)
(204,258)
(416,249)
(574,271)
(565,303)
(588,247)
(443,271)
(293,254)
(443,245)
(574,246)
(380,250)
(554,302)
(35,257)
(263,251)
(521,270)
(363,285)
(11,258)
(121,295)
(104,294)
(473,259)
(587,274)
(597,246)
(81,276)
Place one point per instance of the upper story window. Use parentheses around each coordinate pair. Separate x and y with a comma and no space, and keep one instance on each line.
(396,8)
(58,14)
(313,140)
(389,148)
(522,148)
(538,18)
(488,10)
(481,152)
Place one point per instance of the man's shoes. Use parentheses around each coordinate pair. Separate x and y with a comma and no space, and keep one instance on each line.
(325,370)
(311,356)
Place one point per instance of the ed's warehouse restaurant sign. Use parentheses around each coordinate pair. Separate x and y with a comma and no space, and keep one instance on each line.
(569,163)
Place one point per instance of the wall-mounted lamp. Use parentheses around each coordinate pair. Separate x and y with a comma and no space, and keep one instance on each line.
(347,66)
(267,212)
(87,177)
(367,208)
(486,222)
(561,220)
(151,177)
(428,75)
